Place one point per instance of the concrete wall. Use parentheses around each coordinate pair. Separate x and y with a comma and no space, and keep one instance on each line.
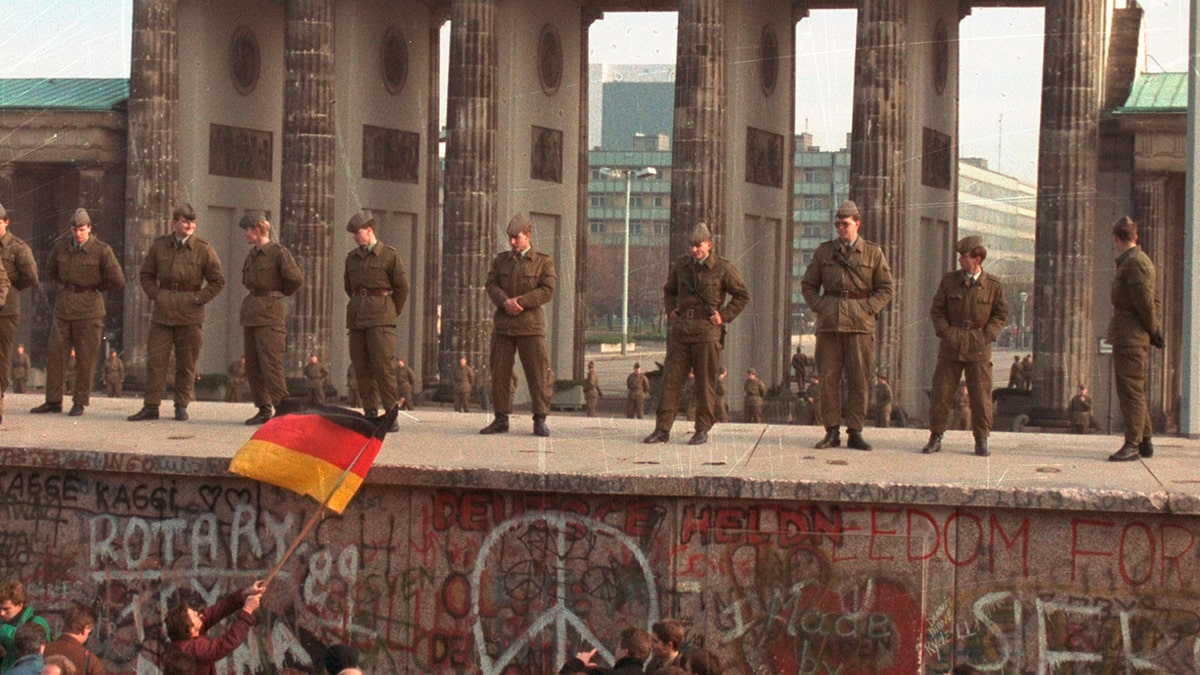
(433,572)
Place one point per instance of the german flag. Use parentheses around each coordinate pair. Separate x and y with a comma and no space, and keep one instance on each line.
(323,452)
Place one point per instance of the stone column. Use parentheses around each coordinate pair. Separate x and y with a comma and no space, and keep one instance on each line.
(306,184)
(1150,211)
(92,194)
(583,174)
(1063,344)
(698,158)
(470,195)
(152,163)
(430,293)
(877,155)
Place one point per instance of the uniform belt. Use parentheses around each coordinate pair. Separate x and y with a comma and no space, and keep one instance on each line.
(176,286)
(372,291)
(266,294)
(80,289)
(695,313)
(971,325)
(853,295)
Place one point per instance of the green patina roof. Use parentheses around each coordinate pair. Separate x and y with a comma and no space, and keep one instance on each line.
(64,93)
(1157,93)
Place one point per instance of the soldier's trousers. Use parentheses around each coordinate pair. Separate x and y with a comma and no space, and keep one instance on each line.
(849,355)
(946,375)
(590,405)
(84,337)
(372,351)
(264,347)
(702,358)
(462,401)
(753,412)
(634,407)
(535,359)
(8,330)
(1129,368)
(185,341)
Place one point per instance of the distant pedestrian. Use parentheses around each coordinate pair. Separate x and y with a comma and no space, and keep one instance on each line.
(1015,377)
(114,375)
(591,390)
(884,401)
(637,387)
(406,385)
(464,384)
(1081,411)
(235,380)
(20,370)
(800,365)
(316,375)
(755,391)
(720,403)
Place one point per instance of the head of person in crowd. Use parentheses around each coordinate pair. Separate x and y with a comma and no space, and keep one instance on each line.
(1125,233)
(183,622)
(846,221)
(30,638)
(701,241)
(752,374)
(255,228)
(701,661)
(339,658)
(637,367)
(183,221)
(57,664)
(12,600)
(178,663)
(519,230)
(79,620)
(462,360)
(81,226)
(634,643)
(666,639)
(971,254)
(362,228)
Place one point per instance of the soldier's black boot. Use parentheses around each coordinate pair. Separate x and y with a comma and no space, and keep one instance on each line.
(47,407)
(832,439)
(981,447)
(658,436)
(934,444)
(181,412)
(854,440)
(539,426)
(264,413)
(148,412)
(698,438)
(1146,448)
(498,425)
(1127,453)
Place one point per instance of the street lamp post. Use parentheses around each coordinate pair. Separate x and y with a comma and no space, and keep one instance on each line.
(1023,296)
(629,174)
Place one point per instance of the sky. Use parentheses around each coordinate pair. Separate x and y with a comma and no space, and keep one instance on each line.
(1000,60)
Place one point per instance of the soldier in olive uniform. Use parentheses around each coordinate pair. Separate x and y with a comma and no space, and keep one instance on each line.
(637,388)
(377,284)
(591,390)
(235,380)
(20,370)
(316,374)
(519,283)
(800,364)
(812,396)
(181,274)
(1015,379)
(270,274)
(960,414)
(406,385)
(968,313)
(114,375)
(884,401)
(352,397)
(1136,325)
(720,406)
(846,285)
(22,273)
(755,392)
(1081,411)
(464,384)
(85,269)
(694,301)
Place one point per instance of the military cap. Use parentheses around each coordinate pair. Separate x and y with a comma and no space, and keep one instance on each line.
(359,220)
(701,234)
(968,244)
(250,219)
(81,218)
(848,209)
(518,224)
(636,364)
(184,212)
(3,213)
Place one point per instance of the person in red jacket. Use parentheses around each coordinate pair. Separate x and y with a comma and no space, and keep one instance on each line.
(186,627)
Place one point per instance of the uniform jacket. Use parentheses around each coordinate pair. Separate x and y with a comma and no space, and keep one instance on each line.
(1081,409)
(315,373)
(114,370)
(865,270)
(181,279)
(591,386)
(83,276)
(208,651)
(883,394)
(20,365)
(379,269)
(236,370)
(464,378)
(406,379)
(1137,310)
(755,390)
(719,387)
(966,319)
(531,278)
(270,270)
(637,385)
(698,289)
(20,268)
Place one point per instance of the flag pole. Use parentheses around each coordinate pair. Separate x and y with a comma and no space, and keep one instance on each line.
(320,512)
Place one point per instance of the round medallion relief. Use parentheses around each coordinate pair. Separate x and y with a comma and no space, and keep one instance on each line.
(550,59)
(393,60)
(244,60)
(768,60)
